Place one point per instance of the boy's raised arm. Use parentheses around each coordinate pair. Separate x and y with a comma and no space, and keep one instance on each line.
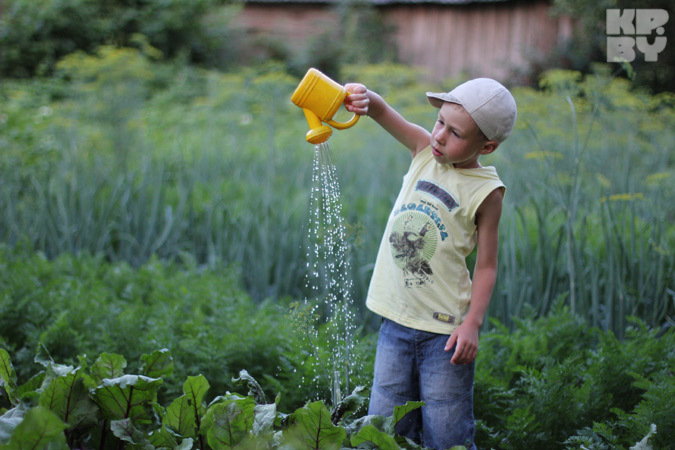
(364,102)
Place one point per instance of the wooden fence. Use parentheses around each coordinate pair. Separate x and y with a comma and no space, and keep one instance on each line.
(479,39)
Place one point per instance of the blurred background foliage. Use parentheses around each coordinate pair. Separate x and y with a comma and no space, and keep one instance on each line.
(36,34)
(589,42)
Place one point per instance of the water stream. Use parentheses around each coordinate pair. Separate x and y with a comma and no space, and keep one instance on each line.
(329,279)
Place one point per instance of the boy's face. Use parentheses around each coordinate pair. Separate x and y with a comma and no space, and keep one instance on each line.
(457,140)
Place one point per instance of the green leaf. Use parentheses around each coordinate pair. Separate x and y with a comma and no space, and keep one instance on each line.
(379,438)
(157,364)
(68,398)
(264,418)
(8,376)
(644,444)
(162,437)
(42,356)
(9,421)
(38,429)
(254,388)
(108,365)
(195,388)
(401,411)
(409,444)
(180,417)
(380,422)
(53,370)
(186,444)
(28,390)
(126,431)
(82,361)
(227,424)
(314,429)
(126,397)
(348,405)
(185,412)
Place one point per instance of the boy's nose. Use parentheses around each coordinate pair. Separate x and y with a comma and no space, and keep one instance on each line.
(439,136)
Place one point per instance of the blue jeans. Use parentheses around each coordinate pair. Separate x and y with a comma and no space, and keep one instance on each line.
(412,365)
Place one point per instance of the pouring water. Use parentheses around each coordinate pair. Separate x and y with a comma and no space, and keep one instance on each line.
(329,276)
(329,271)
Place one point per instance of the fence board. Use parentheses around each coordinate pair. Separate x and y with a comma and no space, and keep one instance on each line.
(488,39)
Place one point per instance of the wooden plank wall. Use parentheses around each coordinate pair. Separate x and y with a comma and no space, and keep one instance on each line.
(293,25)
(491,39)
(487,39)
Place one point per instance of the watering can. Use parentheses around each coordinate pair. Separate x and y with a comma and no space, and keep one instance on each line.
(320,98)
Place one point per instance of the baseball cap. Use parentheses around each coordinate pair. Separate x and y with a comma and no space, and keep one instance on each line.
(488,103)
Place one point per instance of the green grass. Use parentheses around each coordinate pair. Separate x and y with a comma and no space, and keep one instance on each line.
(166,161)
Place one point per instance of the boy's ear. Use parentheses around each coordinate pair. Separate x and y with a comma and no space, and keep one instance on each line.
(489,147)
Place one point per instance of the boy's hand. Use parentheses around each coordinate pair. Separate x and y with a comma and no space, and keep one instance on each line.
(466,338)
(357,101)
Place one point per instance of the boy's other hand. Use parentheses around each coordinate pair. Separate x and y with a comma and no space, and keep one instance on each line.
(357,101)
(465,337)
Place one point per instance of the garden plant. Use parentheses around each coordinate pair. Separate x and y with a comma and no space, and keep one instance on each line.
(153,229)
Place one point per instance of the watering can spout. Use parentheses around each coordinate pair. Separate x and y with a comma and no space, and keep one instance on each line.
(318,133)
(320,97)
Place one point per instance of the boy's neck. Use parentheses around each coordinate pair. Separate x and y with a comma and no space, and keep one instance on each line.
(477,165)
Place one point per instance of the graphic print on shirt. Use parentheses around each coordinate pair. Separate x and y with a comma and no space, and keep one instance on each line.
(413,242)
(415,234)
(436,191)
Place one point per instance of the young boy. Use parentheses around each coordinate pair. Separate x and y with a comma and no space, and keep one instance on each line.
(431,309)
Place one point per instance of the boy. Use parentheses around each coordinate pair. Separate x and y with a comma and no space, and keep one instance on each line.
(431,310)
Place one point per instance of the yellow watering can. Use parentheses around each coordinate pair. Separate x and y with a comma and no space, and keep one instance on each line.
(320,98)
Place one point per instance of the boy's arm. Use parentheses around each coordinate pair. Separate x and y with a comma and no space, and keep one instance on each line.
(484,277)
(363,101)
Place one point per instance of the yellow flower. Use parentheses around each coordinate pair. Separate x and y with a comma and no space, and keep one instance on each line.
(604,181)
(540,156)
(625,197)
(655,179)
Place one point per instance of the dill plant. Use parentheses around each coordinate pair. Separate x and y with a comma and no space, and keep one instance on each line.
(214,165)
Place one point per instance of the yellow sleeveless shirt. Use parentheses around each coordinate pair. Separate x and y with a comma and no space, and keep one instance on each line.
(420,278)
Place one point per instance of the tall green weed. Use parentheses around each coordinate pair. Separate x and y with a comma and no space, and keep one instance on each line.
(588,215)
(557,383)
(156,159)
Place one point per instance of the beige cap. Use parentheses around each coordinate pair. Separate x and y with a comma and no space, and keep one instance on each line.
(488,103)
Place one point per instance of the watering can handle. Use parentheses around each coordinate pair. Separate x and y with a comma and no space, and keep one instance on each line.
(344,125)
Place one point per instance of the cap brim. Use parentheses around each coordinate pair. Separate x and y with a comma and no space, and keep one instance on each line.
(437,99)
